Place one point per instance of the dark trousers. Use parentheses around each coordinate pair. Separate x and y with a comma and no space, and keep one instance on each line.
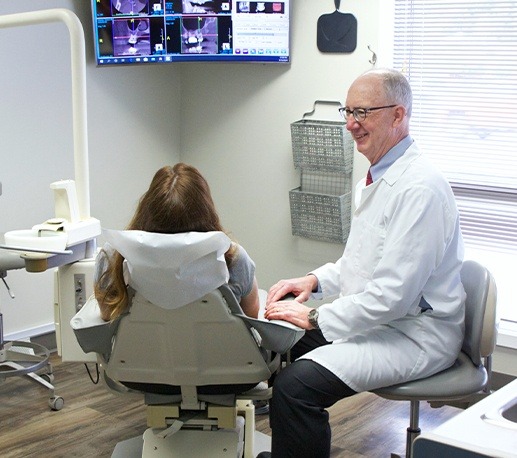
(301,393)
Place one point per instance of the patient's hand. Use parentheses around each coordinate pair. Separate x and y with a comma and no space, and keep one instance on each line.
(291,311)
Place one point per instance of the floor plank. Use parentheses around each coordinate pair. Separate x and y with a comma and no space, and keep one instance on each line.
(93,419)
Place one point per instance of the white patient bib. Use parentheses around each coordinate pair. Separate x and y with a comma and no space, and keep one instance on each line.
(172,270)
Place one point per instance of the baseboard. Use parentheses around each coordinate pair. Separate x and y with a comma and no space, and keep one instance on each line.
(30,333)
(47,340)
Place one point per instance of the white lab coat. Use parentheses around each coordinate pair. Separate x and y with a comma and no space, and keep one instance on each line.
(404,244)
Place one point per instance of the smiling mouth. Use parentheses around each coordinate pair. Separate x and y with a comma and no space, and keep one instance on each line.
(360,137)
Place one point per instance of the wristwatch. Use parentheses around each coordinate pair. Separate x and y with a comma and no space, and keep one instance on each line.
(313,318)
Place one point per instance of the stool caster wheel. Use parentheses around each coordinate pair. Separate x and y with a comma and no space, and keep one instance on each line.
(56,402)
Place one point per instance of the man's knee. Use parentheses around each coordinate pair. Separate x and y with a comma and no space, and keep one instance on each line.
(308,380)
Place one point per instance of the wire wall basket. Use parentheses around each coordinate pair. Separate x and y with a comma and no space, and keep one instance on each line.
(322,145)
(321,205)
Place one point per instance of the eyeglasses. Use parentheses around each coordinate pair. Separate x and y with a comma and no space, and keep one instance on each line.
(359,114)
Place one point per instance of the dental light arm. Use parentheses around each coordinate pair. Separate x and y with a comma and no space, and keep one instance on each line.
(73,222)
(78,65)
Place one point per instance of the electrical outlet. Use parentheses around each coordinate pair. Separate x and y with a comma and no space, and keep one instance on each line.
(80,293)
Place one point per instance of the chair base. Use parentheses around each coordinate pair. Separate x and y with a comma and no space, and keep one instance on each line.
(205,446)
(35,357)
(237,441)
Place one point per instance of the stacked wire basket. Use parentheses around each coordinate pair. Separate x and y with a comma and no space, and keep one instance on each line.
(321,205)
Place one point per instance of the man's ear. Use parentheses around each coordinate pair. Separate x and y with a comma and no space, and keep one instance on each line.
(400,115)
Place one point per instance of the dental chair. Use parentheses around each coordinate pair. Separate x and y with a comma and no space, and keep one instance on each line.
(468,379)
(196,361)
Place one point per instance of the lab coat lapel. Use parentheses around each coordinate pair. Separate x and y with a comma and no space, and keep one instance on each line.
(363,194)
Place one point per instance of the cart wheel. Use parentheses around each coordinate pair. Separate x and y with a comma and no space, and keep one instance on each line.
(56,402)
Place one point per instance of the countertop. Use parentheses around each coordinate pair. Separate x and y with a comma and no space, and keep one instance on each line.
(469,431)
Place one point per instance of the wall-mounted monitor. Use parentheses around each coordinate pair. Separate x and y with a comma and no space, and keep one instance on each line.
(162,31)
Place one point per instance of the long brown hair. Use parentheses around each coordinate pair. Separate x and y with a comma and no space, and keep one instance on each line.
(178,200)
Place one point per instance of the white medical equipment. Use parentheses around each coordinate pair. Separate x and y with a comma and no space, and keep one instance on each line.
(189,351)
(70,235)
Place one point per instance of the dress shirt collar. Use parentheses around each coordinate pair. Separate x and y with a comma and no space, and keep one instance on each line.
(377,170)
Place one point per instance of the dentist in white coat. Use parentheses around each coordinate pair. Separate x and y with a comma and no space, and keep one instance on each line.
(399,311)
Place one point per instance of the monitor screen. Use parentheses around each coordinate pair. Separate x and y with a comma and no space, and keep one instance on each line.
(161,31)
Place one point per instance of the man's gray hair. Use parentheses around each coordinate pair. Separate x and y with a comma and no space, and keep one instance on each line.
(396,87)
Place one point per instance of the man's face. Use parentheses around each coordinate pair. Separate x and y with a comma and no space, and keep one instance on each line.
(377,134)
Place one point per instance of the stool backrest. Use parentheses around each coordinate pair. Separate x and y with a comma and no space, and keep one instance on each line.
(480,311)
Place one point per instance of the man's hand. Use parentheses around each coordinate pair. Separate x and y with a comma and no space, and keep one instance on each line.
(290,311)
(301,288)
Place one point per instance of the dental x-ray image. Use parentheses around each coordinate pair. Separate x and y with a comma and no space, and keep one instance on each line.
(261,7)
(205,6)
(131,37)
(130,6)
(199,35)
(243,7)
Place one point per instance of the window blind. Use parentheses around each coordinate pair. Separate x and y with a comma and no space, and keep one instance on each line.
(461,59)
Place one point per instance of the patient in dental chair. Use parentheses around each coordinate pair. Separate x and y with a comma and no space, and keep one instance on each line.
(178,201)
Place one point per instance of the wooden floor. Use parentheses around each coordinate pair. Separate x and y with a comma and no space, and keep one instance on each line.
(93,420)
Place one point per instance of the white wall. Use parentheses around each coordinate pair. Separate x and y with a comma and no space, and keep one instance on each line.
(230,120)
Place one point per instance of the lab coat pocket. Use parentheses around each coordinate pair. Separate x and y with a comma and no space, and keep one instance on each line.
(369,248)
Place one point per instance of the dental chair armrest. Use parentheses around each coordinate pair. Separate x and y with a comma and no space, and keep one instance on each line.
(278,336)
(93,333)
